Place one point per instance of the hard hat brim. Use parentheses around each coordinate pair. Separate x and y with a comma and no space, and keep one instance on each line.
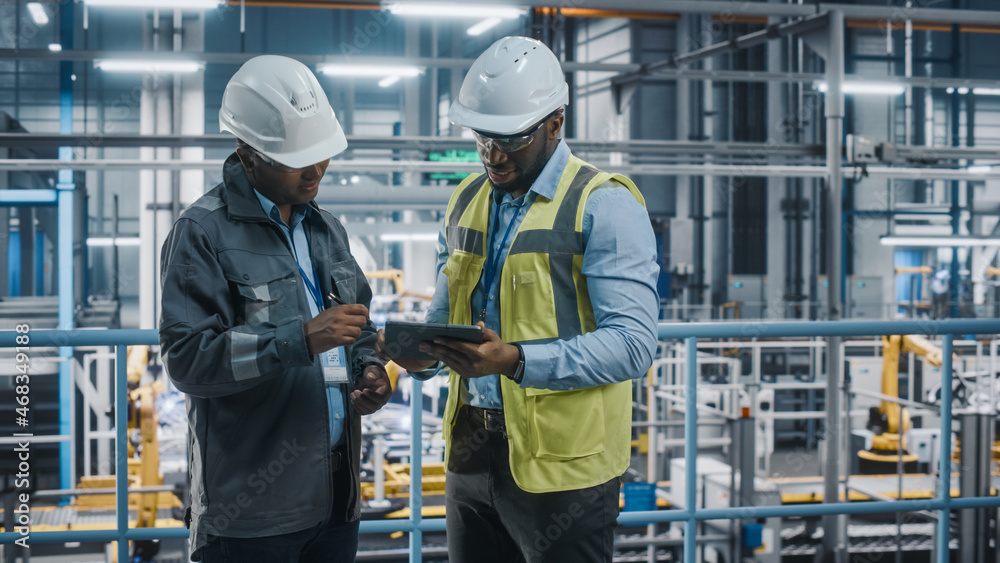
(460,114)
(329,148)
(333,146)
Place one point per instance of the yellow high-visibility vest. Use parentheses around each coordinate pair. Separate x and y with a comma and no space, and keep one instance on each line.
(559,440)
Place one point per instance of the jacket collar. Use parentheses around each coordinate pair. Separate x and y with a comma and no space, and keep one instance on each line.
(240,197)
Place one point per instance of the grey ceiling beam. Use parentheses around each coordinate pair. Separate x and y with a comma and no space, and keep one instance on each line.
(421,144)
(667,74)
(231,58)
(746,8)
(388,166)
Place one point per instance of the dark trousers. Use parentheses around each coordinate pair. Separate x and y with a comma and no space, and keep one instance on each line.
(323,543)
(491,520)
(331,541)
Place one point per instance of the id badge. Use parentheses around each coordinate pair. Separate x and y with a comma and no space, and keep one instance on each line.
(335,366)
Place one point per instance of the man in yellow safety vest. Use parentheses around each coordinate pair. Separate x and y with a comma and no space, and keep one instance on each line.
(556,261)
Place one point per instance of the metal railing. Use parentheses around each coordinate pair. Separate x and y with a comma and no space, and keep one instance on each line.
(690,514)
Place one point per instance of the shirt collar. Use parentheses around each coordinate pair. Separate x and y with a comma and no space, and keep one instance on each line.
(299,212)
(548,179)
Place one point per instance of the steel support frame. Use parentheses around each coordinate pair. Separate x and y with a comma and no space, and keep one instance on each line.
(834,527)
(623,87)
(688,332)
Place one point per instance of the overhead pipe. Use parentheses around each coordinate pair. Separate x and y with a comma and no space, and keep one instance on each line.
(886,25)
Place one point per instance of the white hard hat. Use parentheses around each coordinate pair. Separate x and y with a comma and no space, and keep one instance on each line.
(276,105)
(512,85)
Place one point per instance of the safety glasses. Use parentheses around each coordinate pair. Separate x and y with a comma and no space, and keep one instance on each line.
(486,142)
(277,166)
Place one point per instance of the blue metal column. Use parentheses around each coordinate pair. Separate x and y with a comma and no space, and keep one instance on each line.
(690,448)
(416,467)
(65,256)
(64,251)
(955,212)
(121,449)
(944,482)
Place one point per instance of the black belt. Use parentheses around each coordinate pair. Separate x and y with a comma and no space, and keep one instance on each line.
(335,460)
(490,419)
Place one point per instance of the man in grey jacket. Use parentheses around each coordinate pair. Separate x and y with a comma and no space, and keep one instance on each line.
(265,327)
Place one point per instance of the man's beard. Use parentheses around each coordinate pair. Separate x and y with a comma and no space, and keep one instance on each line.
(525,180)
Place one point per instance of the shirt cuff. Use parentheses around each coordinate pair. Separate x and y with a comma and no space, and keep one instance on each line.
(536,367)
(425,374)
(291,343)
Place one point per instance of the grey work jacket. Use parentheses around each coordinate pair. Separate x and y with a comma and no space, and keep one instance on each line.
(232,339)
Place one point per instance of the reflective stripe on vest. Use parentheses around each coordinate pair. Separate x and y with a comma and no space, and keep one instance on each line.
(464,238)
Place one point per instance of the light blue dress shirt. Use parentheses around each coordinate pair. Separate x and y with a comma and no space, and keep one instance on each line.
(296,236)
(619,262)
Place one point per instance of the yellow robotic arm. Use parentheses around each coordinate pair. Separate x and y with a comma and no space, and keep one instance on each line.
(396,277)
(892,419)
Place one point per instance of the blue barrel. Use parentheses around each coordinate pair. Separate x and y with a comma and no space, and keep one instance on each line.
(639,496)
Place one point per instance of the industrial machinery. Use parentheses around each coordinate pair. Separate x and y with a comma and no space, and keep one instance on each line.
(889,421)
(396,277)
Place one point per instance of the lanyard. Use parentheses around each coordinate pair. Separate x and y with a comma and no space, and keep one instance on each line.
(313,290)
(491,261)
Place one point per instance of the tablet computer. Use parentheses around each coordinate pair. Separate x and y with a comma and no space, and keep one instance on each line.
(402,339)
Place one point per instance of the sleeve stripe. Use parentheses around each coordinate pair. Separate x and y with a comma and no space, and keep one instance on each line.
(244,356)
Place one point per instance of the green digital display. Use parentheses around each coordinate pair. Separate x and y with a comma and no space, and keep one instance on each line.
(451,156)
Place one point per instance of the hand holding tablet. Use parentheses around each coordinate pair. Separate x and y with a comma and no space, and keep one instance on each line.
(402,339)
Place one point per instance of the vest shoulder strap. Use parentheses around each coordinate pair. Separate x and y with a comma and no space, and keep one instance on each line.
(463,195)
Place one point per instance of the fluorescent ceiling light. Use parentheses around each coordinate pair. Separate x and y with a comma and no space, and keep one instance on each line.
(114,65)
(161,4)
(116,241)
(389,81)
(867,88)
(337,69)
(400,237)
(956,240)
(456,11)
(980,169)
(986,91)
(55,47)
(483,26)
(38,13)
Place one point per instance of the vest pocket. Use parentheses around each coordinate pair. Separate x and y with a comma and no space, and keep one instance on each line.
(462,270)
(565,424)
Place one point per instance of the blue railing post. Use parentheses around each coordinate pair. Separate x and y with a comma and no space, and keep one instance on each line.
(944,516)
(690,448)
(121,448)
(416,467)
